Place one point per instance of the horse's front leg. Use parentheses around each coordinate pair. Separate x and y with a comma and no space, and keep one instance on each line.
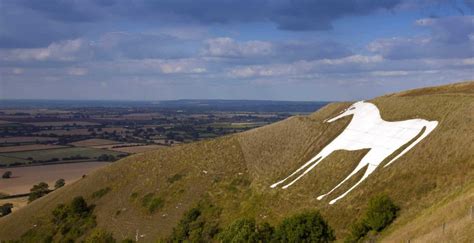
(315,159)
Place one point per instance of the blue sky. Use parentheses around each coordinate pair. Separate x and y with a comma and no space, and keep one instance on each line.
(226,49)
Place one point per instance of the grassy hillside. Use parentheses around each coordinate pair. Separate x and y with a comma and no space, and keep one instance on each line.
(234,174)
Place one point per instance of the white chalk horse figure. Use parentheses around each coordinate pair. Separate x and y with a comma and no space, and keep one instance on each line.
(367,130)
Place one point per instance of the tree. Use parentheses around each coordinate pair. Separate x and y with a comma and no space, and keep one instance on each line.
(242,230)
(5,209)
(305,227)
(7,175)
(38,191)
(79,206)
(59,183)
(246,230)
(380,213)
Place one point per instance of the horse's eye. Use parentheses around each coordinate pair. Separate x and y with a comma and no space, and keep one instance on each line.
(352,108)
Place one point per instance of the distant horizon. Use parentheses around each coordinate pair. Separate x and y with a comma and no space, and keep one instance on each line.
(185,99)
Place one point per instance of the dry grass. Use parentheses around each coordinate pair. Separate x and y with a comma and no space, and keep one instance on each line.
(450,220)
(28,147)
(25,177)
(423,177)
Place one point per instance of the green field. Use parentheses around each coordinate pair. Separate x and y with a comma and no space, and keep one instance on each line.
(52,154)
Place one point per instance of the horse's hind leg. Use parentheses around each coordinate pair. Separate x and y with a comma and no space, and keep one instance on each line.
(305,172)
(369,171)
(315,160)
(357,169)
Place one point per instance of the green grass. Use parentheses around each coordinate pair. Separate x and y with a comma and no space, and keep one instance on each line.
(10,160)
(60,153)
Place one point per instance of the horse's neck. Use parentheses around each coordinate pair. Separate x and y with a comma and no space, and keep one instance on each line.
(365,118)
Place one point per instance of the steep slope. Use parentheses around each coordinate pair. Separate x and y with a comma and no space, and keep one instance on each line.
(235,172)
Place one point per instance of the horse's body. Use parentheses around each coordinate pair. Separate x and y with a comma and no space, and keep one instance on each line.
(367,130)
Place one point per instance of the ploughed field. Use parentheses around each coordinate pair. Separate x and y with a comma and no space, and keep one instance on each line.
(23,178)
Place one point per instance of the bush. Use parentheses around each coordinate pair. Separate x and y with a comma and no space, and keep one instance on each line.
(152,203)
(106,157)
(100,193)
(7,175)
(59,183)
(38,191)
(174,178)
(199,224)
(100,236)
(6,209)
(305,227)
(68,223)
(79,206)
(246,230)
(380,213)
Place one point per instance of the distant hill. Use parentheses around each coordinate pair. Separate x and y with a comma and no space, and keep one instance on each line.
(433,183)
(191,105)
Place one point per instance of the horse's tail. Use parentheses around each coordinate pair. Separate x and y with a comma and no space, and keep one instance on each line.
(430,126)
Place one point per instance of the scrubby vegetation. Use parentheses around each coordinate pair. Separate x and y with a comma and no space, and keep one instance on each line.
(100,236)
(246,230)
(59,183)
(100,193)
(7,175)
(6,209)
(175,178)
(199,224)
(305,227)
(380,213)
(152,203)
(38,191)
(67,224)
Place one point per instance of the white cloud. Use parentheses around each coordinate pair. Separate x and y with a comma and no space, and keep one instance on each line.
(77,71)
(228,47)
(69,50)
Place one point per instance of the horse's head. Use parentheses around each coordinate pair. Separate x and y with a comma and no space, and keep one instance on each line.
(349,111)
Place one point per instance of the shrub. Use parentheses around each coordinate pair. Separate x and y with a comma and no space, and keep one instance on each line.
(59,183)
(68,223)
(106,157)
(174,178)
(38,191)
(199,224)
(246,230)
(152,203)
(7,175)
(305,227)
(380,213)
(155,204)
(6,209)
(100,236)
(100,193)
(79,206)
